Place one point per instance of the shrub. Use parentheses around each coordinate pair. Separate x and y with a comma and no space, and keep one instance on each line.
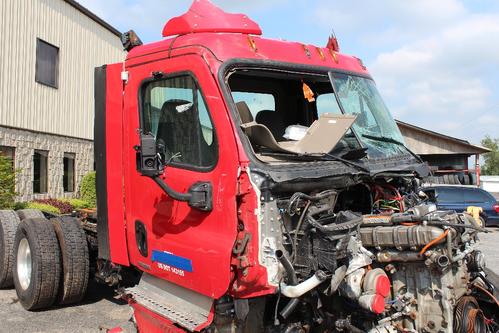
(63,207)
(87,189)
(7,183)
(77,203)
(20,205)
(43,207)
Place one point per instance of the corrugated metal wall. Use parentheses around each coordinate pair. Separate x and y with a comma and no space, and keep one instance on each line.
(83,45)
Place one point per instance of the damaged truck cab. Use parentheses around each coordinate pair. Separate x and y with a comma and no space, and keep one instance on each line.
(262,186)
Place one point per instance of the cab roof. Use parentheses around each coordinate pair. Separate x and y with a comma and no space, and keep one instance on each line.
(235,36)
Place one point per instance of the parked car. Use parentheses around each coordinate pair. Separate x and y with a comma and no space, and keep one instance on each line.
(459,198)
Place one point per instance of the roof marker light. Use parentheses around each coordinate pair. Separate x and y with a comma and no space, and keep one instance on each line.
(321,54)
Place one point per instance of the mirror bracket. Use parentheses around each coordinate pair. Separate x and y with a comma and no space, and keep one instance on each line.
(149,164)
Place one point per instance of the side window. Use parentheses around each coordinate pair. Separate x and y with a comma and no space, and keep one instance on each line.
(256,101)
(327,103)
(431,195)
(175,112)
(476,196)
(450,195)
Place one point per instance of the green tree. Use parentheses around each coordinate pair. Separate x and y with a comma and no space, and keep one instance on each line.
(491,165)
(7,183)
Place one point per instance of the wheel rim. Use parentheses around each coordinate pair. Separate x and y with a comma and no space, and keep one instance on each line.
(24,263)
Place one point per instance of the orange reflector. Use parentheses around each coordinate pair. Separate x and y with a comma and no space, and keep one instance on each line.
(252,44)
(334,55)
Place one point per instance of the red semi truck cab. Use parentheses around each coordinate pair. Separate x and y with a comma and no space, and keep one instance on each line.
(254,183)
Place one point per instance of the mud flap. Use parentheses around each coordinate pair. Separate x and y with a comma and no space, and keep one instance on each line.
(179,305)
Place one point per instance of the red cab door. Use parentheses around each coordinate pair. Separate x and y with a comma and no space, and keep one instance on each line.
(178,101)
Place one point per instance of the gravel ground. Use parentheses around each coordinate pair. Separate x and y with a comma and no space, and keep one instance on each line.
(101,310)
(489,245)
(98,312)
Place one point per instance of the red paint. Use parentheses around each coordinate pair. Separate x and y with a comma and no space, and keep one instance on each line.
(114,164)
(151,322)
(203,16)
(206,238)
(205,39)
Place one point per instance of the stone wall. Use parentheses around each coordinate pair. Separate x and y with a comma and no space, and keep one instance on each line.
(26,142)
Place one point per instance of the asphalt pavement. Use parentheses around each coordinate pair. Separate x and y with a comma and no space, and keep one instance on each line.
(102,310)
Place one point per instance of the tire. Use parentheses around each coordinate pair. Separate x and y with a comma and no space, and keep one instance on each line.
(482,222)
(75,262)
(472,179)
(30,214)
(466,180)
(37,281)
(8,226)
(461,178)
(456,179)
(446,179)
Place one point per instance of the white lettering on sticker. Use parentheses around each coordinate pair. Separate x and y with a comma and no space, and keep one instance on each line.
(170,269)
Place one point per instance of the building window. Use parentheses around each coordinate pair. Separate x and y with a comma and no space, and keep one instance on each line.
(8,152)
(68,180)
(47,63)
(40,171)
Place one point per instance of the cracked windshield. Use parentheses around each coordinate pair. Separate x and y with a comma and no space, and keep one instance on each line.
(374,125)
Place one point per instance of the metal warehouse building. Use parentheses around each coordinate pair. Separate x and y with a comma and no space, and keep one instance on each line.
(49,51)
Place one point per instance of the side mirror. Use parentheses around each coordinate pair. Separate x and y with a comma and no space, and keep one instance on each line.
(148,160)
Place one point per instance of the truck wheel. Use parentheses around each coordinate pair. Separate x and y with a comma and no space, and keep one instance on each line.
(75,262)
(8,226)
(37,264)
(30,214)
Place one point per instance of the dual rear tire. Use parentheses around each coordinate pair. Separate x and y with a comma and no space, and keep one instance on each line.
(47,260)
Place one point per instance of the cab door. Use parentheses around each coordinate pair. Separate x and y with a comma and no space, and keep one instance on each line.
(179,103)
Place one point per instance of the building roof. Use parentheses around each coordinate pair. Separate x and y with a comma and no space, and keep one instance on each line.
(94,17)
(426,142)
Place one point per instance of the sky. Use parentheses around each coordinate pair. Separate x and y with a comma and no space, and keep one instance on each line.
(436,63)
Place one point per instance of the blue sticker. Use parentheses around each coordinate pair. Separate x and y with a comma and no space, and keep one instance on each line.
(172,260)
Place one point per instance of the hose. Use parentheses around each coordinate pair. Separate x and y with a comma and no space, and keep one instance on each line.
(455,225)
(433,242)
(293,280)
(488,293)
(301,289)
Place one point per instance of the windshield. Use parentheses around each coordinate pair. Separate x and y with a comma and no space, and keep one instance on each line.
(287,113)
(374,125)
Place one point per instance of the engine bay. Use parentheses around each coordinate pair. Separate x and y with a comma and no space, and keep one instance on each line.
(371,257)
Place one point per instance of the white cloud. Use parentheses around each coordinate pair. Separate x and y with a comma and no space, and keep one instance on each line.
(388,21)
(443,81)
